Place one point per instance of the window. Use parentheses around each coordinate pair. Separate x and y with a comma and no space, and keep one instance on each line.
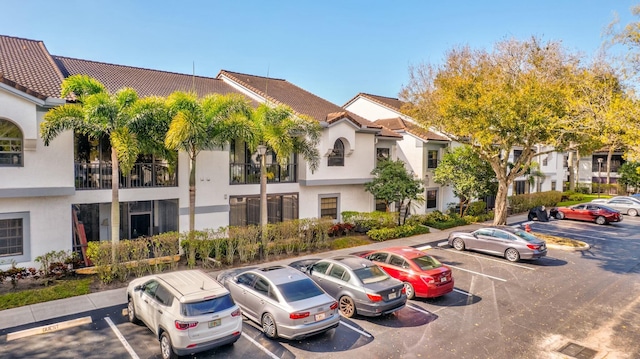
(432,159)
(381,205)
(378,257)
(553,185)
(398,261)
(520,187)
(382,154)
(337,271)
(11,237)
(10,144)
(163,296)
(299,290)
(245,211)
(336,158)
(516,155)
(432,198)
(320,267)
(329,207)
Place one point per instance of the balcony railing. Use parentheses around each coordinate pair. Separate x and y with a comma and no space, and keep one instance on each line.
(98,175)
(248,173)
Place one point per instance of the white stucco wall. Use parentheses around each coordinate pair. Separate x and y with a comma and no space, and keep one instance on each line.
(371,110)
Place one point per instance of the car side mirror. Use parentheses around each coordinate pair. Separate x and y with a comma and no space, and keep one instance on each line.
(138,288)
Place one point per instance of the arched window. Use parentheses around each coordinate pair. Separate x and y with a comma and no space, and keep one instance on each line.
(336,158)
(10,144)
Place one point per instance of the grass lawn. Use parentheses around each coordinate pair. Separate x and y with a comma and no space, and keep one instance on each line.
(58,290)
(587,198)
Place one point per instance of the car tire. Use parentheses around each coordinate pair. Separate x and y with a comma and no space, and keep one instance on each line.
(512,255)
(560,215)
(458,244)
(347,306)
(166,348)
(633,212)
(269,326)
(410,292)
(131,312)
(601,220)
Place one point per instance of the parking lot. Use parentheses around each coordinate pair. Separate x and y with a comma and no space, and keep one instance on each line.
(570,304)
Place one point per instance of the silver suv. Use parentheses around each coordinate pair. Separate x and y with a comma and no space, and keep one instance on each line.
(188,311)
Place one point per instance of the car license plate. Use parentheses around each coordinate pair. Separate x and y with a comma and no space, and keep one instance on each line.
(393,295)
(443,279)
(214,323)
(320,316)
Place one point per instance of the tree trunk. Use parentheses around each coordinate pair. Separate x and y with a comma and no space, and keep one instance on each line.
(500,216)
(264,219)
(115,204)
(192,193)
(572,171)
(577,161)
(609,155)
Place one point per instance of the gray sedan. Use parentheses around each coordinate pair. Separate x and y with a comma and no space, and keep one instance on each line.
(511,243)
(359,284)
(285,302)
(625,204)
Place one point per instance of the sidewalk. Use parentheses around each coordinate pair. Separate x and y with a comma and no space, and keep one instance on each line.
(63,307)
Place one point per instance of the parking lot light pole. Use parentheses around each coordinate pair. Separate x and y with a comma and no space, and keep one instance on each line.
(599,177)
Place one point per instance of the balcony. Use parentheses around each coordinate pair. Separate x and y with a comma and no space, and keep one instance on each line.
(248,173)
(98,175)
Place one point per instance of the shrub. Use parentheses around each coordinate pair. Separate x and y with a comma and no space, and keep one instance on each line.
(406,230)
(476,208)
(523,202)
(340,229)
(56,263)
(364,221)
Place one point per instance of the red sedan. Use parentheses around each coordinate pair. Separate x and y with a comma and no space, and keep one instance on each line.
(591,212)
(422,275)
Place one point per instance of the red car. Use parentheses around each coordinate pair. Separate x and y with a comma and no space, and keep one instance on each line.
(422,275)
(591,212)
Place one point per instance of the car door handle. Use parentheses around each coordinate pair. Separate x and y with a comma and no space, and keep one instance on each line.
(146,301)
(159,311)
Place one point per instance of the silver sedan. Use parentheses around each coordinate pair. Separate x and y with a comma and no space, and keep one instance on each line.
(285,302)
(511,243)
(625,204)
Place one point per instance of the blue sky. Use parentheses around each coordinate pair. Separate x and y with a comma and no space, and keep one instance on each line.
(334,49)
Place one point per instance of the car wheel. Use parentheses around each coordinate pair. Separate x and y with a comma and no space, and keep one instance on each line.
(166,349)
(560,215)
(347,307)
(601,220)
(512,255)
(269,326)
(633,212)
(410,292)
(458,244)
(131,312)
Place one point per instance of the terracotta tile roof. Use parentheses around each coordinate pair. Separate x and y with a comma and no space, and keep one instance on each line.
(301,101)
(390,102)
(146,82)
(28,66)
(398,124)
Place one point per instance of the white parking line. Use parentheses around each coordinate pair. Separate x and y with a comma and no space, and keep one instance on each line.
(418,309)
(490,259)
(463,292)
(481,274)
(265,350)
(356,329)
(124,342)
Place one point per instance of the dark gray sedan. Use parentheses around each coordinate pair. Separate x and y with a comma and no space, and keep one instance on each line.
(509,242)
(359,285)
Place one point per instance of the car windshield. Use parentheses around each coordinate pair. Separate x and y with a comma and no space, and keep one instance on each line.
(427,262)
(207,306)
(527,236)
(299,290)
(370,274)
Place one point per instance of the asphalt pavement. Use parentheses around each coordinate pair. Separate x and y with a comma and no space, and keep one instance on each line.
(35,313)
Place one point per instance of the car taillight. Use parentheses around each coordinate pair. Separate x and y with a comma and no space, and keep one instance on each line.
(236,312)
(533,246)
(334,306)
(374,297)
(180,325)
(427,279)
(298,315)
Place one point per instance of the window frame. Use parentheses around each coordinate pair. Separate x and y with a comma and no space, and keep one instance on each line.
(336,158)
(25,256)
(10,143)
(323,197)
(432,162)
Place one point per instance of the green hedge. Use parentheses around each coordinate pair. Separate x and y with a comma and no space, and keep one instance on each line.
(406,230)
(524,202)
(365,221)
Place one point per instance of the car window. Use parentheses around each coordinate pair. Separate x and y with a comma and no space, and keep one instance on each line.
(337,271)
(378,257)
(580,206)
(246,279)
(208,306)
(263,287)
(163,296)
(526,236)
(398,261)
(484,232)
(299,290)
(427,262)
(370,274)
(592,207)
(320,267)
(150,288)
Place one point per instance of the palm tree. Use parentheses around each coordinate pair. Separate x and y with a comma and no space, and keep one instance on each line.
(128,122)
(284,133)
(203,124)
